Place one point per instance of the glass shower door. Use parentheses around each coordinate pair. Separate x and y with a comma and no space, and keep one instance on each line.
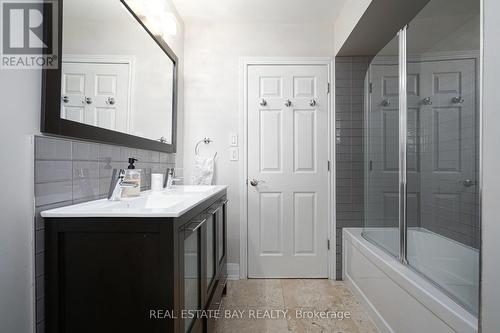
(381,135)
(443,175)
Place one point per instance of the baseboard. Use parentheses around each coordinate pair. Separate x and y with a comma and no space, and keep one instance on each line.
(233,271)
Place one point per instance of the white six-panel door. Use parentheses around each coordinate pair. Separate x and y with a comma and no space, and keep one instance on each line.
(96,94)
(287,171)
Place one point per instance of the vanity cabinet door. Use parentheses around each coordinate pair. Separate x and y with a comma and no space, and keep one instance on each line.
(191,252)
(220,218)
(210,251)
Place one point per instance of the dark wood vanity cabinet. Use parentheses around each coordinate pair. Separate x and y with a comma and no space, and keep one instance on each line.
(136,274)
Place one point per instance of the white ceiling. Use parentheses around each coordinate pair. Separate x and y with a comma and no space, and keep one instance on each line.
(276,11)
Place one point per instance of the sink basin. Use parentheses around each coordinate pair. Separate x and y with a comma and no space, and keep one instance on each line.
(189,189)
(168,203)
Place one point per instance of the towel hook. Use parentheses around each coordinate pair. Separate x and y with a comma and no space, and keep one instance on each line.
(205,141)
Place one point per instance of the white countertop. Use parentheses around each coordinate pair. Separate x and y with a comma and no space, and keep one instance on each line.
(168,203)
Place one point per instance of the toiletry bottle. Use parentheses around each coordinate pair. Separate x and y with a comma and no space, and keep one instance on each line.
(133,177)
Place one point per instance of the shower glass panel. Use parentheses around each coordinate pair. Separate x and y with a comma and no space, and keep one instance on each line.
(443,44)
(381,135)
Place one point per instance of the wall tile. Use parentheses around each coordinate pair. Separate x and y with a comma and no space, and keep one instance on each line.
(110,153)
(47,148)
(40,327)
(40,310)
(52,171)
(39,264)
(349,83)
(50,193)
(83,151)
(39,241)
(40,287)
(126,153)
(146,156)
(85,180)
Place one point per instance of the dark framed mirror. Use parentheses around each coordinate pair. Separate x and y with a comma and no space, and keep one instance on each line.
(116,80)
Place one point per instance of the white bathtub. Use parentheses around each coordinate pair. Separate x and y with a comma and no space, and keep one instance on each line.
(399,299)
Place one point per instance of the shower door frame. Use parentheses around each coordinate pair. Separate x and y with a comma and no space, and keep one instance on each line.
(402,252)
(403,59)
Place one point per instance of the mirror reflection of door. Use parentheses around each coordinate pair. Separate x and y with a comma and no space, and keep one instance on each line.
(96,94)
(138,100)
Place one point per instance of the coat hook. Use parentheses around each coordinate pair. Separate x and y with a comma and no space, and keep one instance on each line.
(312,102)
(288,103)
(263,102)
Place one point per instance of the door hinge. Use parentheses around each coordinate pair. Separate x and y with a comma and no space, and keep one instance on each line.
(328,244)
(328,165)
(370,88)
(328,88)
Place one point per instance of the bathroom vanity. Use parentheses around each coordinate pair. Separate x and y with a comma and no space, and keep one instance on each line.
(138,265)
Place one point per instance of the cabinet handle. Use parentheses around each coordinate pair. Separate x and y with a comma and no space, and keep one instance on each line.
(213,211)
(198,225)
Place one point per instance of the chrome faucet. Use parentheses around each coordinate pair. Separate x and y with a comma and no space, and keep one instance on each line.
(117,185)
(169,178)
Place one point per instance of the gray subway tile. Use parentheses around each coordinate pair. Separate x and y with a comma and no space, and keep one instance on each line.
(50,193)
(40,286)
(85,151)
(40,241)
(39,264)
(110,153)
(148,156)
(85,180)
(85,169)
(40,310)
(47,148)
(126,153)
(40,327)
(52,171)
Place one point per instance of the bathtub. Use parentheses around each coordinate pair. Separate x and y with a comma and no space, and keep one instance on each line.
(401,300)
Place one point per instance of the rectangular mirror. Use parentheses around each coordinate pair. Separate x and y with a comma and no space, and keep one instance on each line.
(116,81)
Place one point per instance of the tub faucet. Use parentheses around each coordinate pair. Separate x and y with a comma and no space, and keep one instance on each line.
(117,185)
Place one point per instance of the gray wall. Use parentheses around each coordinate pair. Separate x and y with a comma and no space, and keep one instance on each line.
(490,307)
(349,81)
(69,172)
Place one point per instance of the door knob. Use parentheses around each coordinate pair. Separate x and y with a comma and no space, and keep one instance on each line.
(111,100)
(312,102)
(457,100)
(254,182)
(385,103)
(468,183)
(263,102)
(427,101)
(88,100)
(65,99)
(288,103)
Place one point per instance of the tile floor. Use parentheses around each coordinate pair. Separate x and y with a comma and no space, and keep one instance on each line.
(331,298)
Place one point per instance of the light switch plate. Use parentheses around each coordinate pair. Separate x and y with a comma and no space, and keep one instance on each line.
(233,139)
(234,154)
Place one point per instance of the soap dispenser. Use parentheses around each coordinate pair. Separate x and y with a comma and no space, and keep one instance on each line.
(132,175)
